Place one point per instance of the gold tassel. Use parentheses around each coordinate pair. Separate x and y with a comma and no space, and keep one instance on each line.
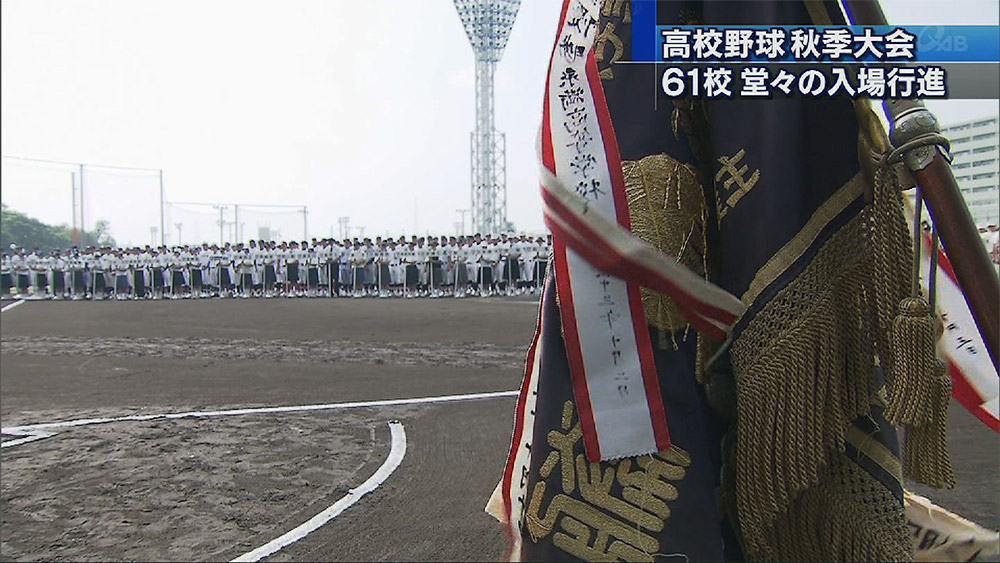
(914,363)
(925,455)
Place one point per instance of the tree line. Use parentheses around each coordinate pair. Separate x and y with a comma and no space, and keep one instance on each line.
(19,229)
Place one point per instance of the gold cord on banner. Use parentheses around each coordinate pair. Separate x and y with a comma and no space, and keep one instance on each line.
(919,385)
(926,458)
(803,370)
(667,209)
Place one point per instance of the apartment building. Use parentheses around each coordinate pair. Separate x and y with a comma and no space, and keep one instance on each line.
(976,152)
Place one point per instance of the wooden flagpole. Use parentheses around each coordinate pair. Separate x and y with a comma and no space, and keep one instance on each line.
(969,259)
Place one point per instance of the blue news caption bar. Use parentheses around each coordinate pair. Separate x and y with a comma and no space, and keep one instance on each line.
(956,43)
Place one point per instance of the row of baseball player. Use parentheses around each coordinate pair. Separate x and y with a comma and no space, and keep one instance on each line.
(421,266)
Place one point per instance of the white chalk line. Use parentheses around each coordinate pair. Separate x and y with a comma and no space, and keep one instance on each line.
(396,453)
(29,436)
(32,432)
(10,306)
(27,429)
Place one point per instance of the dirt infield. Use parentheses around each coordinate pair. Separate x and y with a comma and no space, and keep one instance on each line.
(215,487)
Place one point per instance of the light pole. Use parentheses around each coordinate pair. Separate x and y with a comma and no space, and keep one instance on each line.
(72,187)
(487,24)
(80,229)
(83,223)
(345,227)
(162,203)
(222,223)
(462,212)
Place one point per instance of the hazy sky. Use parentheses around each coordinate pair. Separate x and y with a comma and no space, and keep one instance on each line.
(353,108)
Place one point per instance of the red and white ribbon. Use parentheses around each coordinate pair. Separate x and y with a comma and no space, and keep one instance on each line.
(508,501)
(599,264)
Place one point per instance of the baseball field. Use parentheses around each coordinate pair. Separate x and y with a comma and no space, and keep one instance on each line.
(285,429)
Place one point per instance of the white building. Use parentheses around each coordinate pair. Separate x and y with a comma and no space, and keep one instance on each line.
(974,145)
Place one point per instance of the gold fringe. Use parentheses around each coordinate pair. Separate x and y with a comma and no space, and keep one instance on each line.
(872,144)
(848,516)
(918,386)
(926,458)
(804,369)
(910,396)
(892,261)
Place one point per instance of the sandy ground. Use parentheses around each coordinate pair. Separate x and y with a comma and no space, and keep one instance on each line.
(215,488)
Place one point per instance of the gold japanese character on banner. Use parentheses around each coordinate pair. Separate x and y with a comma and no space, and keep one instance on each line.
(621,11)
(618,9)
(606,36)
(728,195)
(606,511)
